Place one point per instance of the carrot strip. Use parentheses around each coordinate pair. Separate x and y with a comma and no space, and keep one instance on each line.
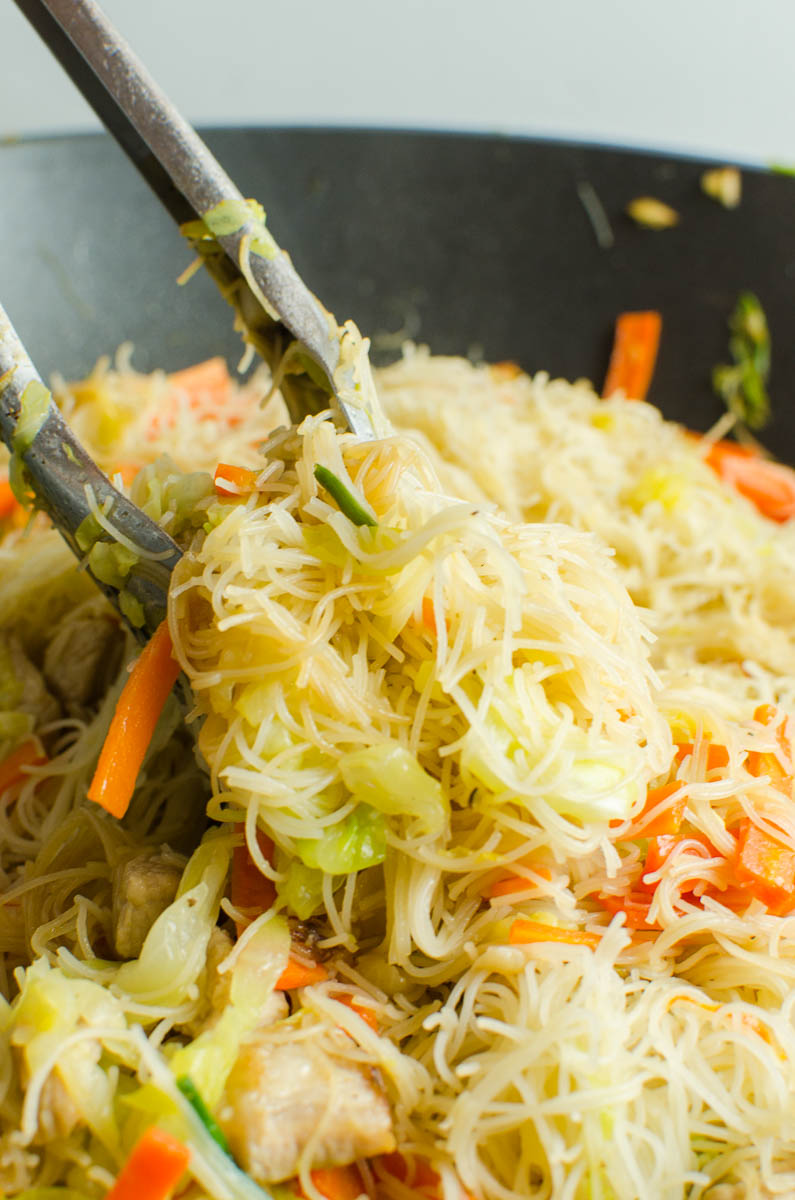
(669,820)
(249,889)
(717,755)
(234,481)
(637,339)
(300,972)
(154,1168)
(761,762)
(634,906)
(428,614)
(367,1014)
(12,768)
(765,866)
(127,470)
(8,501)
(338,1183)
(205,379)
(414,1171)
(770,486)
(133,724)
(524,932)
(516,883)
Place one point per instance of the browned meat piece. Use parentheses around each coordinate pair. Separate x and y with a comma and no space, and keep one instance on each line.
(142,889)
(24,684)
(283,1097)
(84,657)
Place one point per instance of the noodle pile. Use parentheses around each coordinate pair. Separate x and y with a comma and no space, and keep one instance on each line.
(513,757)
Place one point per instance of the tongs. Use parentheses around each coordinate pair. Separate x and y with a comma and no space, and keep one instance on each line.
(273,303)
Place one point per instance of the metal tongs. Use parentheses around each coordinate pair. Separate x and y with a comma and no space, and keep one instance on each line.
(273,302)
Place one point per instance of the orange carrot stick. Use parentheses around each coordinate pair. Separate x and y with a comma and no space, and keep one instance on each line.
(338,1183)
(208,379)
(666,821)
(765,763)
(361,1010)
(234,481)
(8,501)
(637,339)
(428,614)
(717,755)
(12,768)
(526,931)
(765,866)
(154,1168)
(133,724)
(300,972)
(770,486)
(516,883)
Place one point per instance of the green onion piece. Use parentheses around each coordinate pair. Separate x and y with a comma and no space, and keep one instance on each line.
(347,503)
(191,1094)
(743,386)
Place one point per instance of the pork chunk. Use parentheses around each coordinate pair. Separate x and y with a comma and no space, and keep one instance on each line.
(284,1096)
(142,889)
(84,657)
(27,690)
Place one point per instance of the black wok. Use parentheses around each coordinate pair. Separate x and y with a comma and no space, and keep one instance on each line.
(476,245)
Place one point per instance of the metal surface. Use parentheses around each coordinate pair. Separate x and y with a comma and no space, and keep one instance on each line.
(59,472)
(183,172)
(473,245)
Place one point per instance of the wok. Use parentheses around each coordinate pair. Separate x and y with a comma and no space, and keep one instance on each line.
(475,245)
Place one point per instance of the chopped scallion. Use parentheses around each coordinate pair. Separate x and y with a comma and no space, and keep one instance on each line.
(348,504)
(743,386)
(191,1094)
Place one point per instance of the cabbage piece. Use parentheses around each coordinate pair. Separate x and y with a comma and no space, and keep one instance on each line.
(161,488)
(358,841)
(34,405)
(389,778)
(300,888)
(50,1007)
(174,952)
(111,563)
(588,779)
(258,963)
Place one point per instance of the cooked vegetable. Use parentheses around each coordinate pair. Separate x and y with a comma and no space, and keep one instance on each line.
(743,386)
(234,481)
(300,972)
(723,184)
(12,768)
(192,1095)
(766,866)
(8,501)
(339,1183)
(717,756)
(202,380)
(768,485)
(137,711)
(348,504)
(524,932)
(635,346)
(34,405)
(155,1166)
(249,889)
(652,213)
(669,818)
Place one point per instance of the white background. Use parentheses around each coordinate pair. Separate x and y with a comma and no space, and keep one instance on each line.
(708,76)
